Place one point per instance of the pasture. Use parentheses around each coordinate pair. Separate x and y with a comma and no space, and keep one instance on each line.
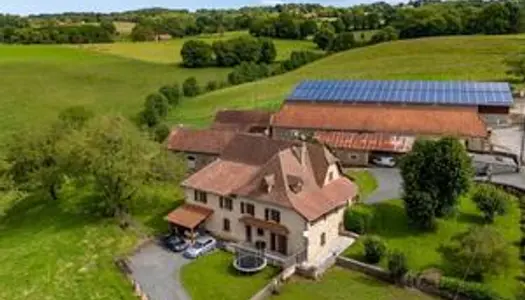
(168,52)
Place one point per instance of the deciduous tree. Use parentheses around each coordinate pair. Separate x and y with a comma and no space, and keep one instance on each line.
(491,201)
(196,54)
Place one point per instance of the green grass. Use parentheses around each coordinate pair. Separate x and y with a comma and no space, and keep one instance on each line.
(421,248)
(168,52)
(366,182)
(367,34)
(443,58)
(339,283)
(213,277)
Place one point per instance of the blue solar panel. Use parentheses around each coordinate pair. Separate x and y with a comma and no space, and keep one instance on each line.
(404,91)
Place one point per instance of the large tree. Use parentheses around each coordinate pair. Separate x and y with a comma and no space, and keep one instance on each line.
(118,162)
(196,54)
(441,169)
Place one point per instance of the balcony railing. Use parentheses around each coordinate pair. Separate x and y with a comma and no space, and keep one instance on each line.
(273,258)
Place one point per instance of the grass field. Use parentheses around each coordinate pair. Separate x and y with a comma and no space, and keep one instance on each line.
(452,58)
(390,223)
(168,52)
(213,277)
(366,182)
(339,284)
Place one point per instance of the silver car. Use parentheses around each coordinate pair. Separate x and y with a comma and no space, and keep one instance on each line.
(202,245)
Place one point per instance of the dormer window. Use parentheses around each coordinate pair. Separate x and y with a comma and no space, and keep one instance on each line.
(330,176)
(295,184)
(269,183)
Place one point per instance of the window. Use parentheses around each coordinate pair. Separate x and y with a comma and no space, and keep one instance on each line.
(226,224)
(260,231)
(323,239)
(330,176)
(247,208)
(272,215)
(353,156)
(200,196)
(191,161)
(226,203)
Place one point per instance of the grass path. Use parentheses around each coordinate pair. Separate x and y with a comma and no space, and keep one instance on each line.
(365,180)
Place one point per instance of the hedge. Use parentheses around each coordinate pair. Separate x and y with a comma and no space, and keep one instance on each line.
(470,290)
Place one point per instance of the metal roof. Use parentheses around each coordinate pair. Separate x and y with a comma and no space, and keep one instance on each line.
(404,92)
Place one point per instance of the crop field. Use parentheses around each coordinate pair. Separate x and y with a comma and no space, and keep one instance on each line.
(168,52)
(444,58)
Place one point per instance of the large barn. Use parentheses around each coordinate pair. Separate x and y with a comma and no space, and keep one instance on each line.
(360,118)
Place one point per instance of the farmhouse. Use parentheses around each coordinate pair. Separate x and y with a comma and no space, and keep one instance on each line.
(359,119)
(283,196)
(254,121)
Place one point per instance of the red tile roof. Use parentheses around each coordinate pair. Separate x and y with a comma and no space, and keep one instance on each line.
(464,122)
(189,215)
(365,141)
(207,141)
(241,120)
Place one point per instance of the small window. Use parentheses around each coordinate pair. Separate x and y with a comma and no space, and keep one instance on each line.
(226,225)
(200,196)
(353,156)
(323,239)
(272,215)
(191,161)
(226,203)
(260,231)
(247,208)
(330,176)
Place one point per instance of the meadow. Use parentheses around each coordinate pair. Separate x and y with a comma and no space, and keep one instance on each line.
(46,253)
(168,52)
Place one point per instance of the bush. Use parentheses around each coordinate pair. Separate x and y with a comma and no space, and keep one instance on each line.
(246,72)
(161,132)
(299,58)
(470,290)
(397,265)
(324,38)
(375,248)
(358,219)
(491,201)
(190,87)
(196,54)
(212,85)
(142,33)
(268,51)
(386,34)
(172,93)
(343,41)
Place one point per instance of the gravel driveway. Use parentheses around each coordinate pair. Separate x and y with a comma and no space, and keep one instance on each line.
(157,270)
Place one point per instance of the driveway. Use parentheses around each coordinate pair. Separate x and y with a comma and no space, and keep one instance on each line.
(389,183)
(157,270)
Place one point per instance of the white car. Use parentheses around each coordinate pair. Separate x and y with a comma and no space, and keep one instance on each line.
(202,245)
(384,161)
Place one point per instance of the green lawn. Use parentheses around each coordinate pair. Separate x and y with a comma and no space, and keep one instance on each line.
(168,52)
(452,58)
(366,182)
(391,224)
(213,277)
(338,283)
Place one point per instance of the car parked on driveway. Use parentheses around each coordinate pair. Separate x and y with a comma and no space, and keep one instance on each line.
(384,161)
(202,245)
(175,243)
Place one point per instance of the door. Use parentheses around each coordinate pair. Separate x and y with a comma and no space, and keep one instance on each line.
(248,233)
(273,242)
(282,244)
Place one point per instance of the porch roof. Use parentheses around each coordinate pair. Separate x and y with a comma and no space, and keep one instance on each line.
(189,215)
(271,226)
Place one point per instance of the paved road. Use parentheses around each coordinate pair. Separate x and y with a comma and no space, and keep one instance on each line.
(157,270)
(389,183)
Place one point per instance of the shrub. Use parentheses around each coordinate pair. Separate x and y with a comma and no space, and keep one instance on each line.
(212,85)
(397,264)
(375,248)
(491,201)
(171,93)
(268,51)
(142,33)
(324,38)
(246,72)
(358,219)
(161,132)
(196,54)
(155,109)
(190,87)
(343,41)
(298,59)
(386,34)
(470,290)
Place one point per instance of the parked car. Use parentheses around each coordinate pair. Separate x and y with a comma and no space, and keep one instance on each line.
(202,245)
(175,243)
(384,161)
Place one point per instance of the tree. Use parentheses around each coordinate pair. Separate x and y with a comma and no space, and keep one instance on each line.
(479,251)
(196,54)
(142,33)
(375,248)
(420,208)
(339,25)
(172,93)
(118,162)
(161,132)
(397,264)
(190,87)
(386,34)
(491,201)
(155,109)
(307,28)
(9,194)
(108,26)
(324,38)
(442,169)
(516,65)
(343,41)
(268,51)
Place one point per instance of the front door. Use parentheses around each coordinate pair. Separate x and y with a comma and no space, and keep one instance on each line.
(248,233)
(282,244)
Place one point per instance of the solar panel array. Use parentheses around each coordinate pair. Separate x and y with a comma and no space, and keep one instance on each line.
(404,91)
